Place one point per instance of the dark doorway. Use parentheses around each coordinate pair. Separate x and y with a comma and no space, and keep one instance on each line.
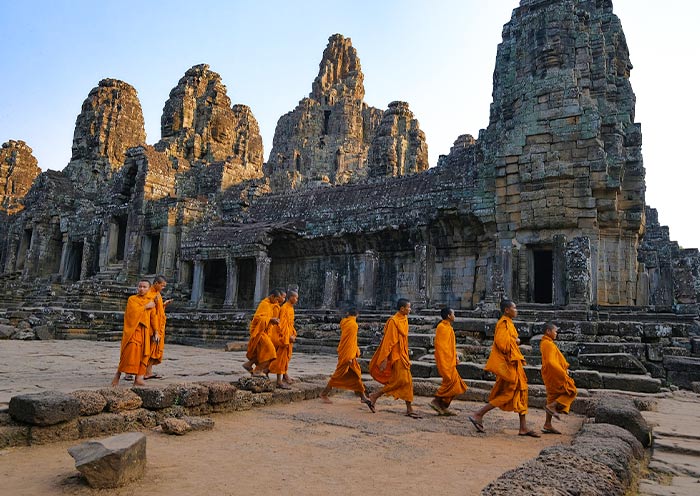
(74,262)
(542,261)
(214,282)
(246,282)
(153,255)
(22,249)
(121,236)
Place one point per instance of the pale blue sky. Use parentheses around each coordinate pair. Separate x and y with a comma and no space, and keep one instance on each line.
(439,56)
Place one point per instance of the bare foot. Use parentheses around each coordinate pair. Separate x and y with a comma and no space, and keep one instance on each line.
(325,399)
(115,382)
(288,379)
(249,368)
(138,382)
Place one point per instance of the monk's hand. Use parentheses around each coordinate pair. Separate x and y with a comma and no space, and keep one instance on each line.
(292,339)
(517,340)
(150,304)
(167,302)
(275,320)
(156,338)
(382,365)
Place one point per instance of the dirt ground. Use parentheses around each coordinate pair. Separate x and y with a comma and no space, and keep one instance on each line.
(307,448)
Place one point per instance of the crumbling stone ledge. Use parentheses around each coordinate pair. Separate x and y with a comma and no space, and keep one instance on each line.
(603,459)
(111,411)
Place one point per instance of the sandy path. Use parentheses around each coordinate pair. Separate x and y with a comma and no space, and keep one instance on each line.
(306,448)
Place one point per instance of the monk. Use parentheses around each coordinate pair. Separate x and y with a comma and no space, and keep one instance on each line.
(561,390)
(261,351)
(136,336)
(390,364)
(446,361)
(347,373)
(158,342)
(507,362)
(284,338)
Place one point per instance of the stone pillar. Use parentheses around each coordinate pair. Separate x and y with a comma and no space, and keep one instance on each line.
(425,261)
(103,255)
(329,289)
(32,257)
(559,269)
(506,268)
(369,262)
(262,277)
(231,298)
(578,268)
(88,261)
(198,282)
(65,249)
(168,251)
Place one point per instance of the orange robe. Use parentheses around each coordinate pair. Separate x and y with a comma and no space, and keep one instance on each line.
(347,373)
(159,327)
(507,362)
(396,377)
(560,387)
(446,360)
(260,347)
(136,336)
(283,346)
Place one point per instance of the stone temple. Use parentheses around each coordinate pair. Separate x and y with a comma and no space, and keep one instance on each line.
(546,206)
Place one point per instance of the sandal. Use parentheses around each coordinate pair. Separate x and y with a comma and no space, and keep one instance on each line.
(477,425)
(414,415)
(529,434)
(370,405)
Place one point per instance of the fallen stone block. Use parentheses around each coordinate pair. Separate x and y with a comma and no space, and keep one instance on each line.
(622,412)
(191,394)
(199,423)
(262,399)
(255,384)
(175,426)
(156,398)
(91,402)
(46,408)
(111,462)
(119,399)
(103,424)
(220,391)
(43,434)
(6,331)
(139,418)
(14,435)
(682,371)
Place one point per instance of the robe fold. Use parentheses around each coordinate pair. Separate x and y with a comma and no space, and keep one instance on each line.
(446,361)
(283,345)
(136,336)
(560,387)
(260,347)
(396,377)
(347,373)
(159,326)
(507,362)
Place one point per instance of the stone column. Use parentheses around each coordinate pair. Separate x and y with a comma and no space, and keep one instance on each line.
(168,250)
(369,262)
(642,286)
(231,298)
(198,282)
(578,268)
(330,288)
(88,259)
(425,260)
(65,248)
(559,269)
(262,277)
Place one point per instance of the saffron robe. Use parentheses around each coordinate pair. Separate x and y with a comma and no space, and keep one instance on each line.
(159,326)
(136,336)
(446,361)
(260,347)
(348,374)
(396,377)
(283,345)
(507,362)
(560,387)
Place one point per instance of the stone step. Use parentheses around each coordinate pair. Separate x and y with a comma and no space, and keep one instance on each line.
(677,445)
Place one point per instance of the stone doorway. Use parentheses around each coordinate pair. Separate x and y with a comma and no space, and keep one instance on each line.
(214,282)
(150,251)
(117,238)
(74,262)
(22,249)
(542,267)
(246,282)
